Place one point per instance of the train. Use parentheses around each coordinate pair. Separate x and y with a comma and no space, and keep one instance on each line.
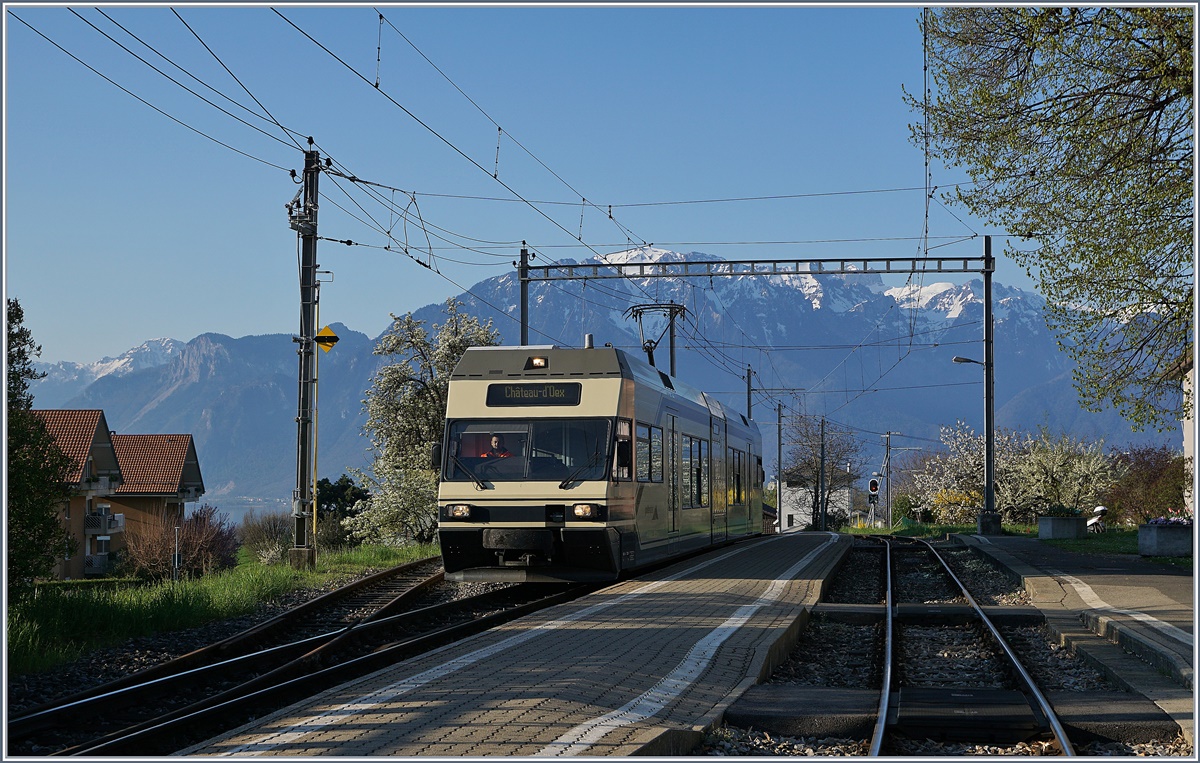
(582,464)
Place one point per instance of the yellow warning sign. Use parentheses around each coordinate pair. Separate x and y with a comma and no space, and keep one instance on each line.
(326,339)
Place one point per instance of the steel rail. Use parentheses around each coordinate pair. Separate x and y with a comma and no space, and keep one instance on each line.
(230,654)
(149,737)
(238,643)
(124,696)
(886,694)
(314,651)
(1060,733)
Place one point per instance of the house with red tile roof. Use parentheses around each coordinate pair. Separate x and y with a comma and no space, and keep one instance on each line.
(161,472)
(84,436)
(119,479)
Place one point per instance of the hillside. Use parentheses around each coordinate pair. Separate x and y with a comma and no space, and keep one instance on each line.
(850,347)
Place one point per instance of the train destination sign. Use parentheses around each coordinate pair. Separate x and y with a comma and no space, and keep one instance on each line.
(544,393)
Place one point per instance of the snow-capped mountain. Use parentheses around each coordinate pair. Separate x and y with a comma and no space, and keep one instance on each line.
(66,379)
(862,352)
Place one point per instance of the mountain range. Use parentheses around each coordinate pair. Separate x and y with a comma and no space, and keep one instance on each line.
(868,356)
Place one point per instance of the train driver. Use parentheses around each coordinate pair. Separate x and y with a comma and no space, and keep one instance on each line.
(498,450)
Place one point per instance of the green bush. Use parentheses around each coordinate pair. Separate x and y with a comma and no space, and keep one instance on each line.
(267,537)
(1058,510)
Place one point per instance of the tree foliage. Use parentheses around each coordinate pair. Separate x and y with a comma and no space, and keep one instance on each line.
(267,537)
(1033,473)
(802,436)
(950,483)
(1076,128)
(1061,471)
(1151,485)
(38,471)
(336,503)
(207,544)
(406,410)
(21,350)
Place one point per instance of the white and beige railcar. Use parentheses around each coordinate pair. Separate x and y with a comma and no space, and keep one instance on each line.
(611,465)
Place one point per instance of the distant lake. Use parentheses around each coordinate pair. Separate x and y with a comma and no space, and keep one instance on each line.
(237,507)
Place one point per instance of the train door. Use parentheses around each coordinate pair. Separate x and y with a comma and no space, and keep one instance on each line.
(720,499)
(672,477)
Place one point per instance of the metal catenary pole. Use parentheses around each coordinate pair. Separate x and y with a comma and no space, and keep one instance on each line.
(749,388)
(821,479)
(887,475)
(523,278)
(989,372)
(304,222)
(779,467)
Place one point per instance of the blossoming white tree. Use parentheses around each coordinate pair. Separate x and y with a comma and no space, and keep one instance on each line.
(406,410)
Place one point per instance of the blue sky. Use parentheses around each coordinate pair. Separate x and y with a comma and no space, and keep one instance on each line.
(123,225)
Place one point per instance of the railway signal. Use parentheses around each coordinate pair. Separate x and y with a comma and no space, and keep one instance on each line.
(873,487)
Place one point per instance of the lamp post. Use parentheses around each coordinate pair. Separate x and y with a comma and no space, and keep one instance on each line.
(989,425)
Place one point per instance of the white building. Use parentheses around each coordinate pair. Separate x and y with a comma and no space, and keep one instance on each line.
(796,506)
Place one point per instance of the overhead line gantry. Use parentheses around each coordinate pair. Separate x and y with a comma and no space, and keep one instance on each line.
(985,264)
(819,266)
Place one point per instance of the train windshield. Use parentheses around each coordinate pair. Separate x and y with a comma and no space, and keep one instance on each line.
(513,450)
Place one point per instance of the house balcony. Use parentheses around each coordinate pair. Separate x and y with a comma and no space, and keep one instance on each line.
(103,524)
(102,485)
(96,564)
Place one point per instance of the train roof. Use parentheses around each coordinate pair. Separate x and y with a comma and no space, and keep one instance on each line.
(507,362)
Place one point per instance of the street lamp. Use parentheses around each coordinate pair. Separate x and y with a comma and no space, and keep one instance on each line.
(989,425)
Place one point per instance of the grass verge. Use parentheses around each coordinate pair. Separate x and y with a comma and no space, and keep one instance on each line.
(1114,541)
(64,622)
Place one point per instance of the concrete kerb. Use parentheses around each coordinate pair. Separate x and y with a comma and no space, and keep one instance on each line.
(1045,588)
(1144,645)
(1101,641)
(676,742)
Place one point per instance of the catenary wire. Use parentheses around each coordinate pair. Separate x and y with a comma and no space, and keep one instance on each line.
(426,126)
(213,53)
(439,136)
(228,113)
(143,101)
(502,132)
(199,81)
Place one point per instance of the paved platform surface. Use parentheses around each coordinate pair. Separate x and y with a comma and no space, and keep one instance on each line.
(641,667)
(1109,605)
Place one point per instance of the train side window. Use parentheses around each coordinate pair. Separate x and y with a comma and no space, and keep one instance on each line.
(656,454)
(623,455)
(687,475)
(737,466)
(648,455)
(695,473)
(641,456)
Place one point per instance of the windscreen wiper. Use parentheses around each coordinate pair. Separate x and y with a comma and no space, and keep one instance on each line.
(580,470)
(478,482)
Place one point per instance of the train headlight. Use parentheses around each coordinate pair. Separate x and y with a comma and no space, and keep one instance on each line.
(586,511)
(458,511)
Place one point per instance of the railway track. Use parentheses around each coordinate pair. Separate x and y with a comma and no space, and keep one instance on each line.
(978,691)
(902,658)
(329,640)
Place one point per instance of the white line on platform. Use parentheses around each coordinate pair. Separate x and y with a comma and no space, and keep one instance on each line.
(1095,602)
(649,703)
(367,702)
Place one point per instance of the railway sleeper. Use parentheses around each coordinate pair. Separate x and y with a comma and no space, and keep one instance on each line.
(996,716)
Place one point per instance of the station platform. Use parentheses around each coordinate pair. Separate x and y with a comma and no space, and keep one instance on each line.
(1133,618)
(641,667)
